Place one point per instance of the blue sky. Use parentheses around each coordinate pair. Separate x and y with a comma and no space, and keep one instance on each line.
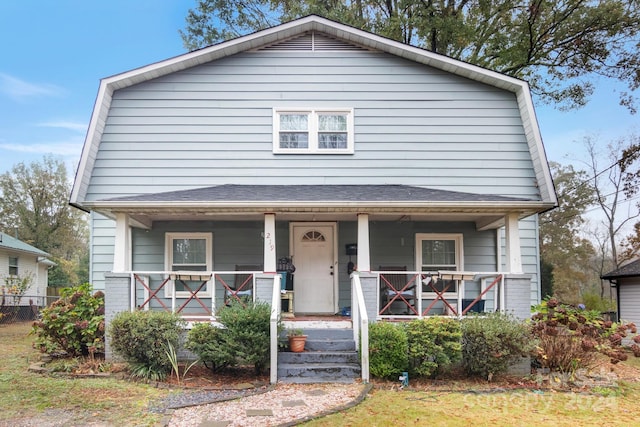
(54,53)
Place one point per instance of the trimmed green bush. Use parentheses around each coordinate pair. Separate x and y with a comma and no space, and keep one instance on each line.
(141,338)
(209,344)
(388,350)
(73,324)
(434,345)
(493,342)
(246,333)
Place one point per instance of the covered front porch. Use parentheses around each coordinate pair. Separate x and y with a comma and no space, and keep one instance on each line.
(374,252)
(409,294)
(405,235)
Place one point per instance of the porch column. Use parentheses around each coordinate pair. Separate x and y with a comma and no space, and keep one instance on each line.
(512,235)
(269,243)
(364,259)
(116,299)
(122,244)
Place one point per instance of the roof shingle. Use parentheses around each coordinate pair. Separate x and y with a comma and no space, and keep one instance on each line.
(315,193)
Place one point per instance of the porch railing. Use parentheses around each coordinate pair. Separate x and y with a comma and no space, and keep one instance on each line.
(193,294)
(360,321)
(448,293)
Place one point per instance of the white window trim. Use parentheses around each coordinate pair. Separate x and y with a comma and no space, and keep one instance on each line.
(16,265)
(313,131)
(457,237)
(440,236)
(168,261)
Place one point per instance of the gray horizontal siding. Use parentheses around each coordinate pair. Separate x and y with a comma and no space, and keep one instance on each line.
(102,246)
(213,124)
(630,300)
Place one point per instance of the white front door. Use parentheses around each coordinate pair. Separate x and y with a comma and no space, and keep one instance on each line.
(314,285)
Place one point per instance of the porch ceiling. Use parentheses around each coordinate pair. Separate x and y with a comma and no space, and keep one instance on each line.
(320,203)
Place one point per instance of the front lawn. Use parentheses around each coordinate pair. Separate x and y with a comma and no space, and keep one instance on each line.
(491,407)
(31,399)
(62,400)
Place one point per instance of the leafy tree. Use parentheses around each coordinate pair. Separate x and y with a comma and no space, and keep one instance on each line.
(630,166)
(631,244)
(562,247)
(546,278)
(553,44)
(609,185)
(34,204)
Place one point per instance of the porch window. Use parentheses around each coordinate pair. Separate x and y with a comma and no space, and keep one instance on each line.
(13,266)
(188,252)
(314,131)
(438,252)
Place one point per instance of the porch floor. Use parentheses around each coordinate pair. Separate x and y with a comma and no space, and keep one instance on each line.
(313,321)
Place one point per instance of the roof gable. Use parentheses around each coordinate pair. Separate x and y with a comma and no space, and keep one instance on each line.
(311,32)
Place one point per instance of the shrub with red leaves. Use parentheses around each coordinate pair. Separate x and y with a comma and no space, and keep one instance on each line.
(569,338)
(74,324)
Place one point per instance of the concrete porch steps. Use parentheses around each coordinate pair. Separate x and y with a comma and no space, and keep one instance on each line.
(330,356)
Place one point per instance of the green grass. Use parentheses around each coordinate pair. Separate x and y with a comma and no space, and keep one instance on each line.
(110,401)
(515,408)
(26,394)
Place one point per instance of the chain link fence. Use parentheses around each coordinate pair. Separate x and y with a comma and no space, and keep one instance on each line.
(25,308)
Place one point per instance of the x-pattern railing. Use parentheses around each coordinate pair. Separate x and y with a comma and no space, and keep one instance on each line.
(398,294)
(440,295)
(442,286)
(162,291)
(236,293)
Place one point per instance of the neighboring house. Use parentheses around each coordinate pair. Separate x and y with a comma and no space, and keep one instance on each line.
(331,145)
(626,281)
(20,260)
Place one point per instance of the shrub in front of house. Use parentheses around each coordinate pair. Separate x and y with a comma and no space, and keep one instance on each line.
(388,350)
(433,345)
(209,343)
(74,324)
(491,343)
(570,338)
(246,333)
(142,338)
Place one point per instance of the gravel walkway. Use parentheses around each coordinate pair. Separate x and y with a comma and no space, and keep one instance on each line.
(282,405)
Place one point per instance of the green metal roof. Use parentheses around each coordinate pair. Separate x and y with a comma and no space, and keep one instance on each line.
(11,243)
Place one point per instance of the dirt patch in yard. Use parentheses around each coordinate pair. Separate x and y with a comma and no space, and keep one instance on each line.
(200,376)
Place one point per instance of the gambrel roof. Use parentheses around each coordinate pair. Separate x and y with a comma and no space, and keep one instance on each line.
(335,36)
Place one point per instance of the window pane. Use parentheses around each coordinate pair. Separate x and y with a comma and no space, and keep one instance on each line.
(332,140)
(332,122)
(189,251)
(294,140)
(439,252)
(13,266)
(294,122)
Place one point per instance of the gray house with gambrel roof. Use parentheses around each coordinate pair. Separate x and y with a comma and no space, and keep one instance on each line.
(330,148)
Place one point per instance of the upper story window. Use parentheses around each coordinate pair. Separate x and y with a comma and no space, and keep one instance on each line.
(188,252)
(315,131)
(13,266)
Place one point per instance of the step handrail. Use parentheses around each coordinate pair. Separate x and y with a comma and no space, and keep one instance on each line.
(360,321)
(273,328)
